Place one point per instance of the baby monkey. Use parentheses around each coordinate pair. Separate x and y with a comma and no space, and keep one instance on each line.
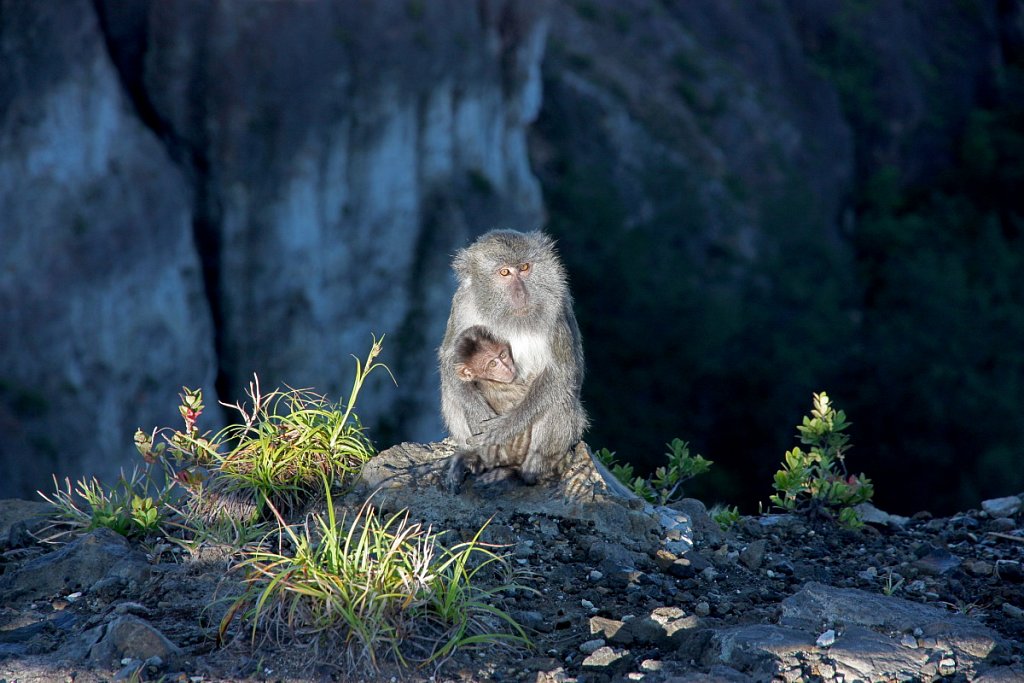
(487,362)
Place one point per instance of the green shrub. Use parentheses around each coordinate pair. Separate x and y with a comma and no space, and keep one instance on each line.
(816,481)
(286,443)
(726,516)
(135,506)
(664,486)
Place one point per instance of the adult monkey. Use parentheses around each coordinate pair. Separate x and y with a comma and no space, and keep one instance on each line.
(515,284)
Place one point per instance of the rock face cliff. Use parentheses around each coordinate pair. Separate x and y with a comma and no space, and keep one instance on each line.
(102,309)
(195,193)
(743,193)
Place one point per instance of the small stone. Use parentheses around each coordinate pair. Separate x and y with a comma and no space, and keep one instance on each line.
(534,620)
(634,676)
(702,609)
(1009,570)
(928,643)
(664,559)
(937,561)
(1012,611)
(826,639)
(595,575)
(604,658)
(709,574)
(1001,507)
(524,549)
(681,568)
(826,671)
(592,646)
(978,568)
(650,665)
(586,604)
(793,674)
(1003,524)
(869,514)
(947,666)
(908,641)
(753,555)
(608,628)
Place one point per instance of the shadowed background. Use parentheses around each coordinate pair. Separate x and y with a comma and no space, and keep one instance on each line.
(754,200)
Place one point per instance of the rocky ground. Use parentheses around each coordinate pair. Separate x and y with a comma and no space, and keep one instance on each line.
(620,591)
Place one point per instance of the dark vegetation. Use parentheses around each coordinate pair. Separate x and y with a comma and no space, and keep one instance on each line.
(920,338)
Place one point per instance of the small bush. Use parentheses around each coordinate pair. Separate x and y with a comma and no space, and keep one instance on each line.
(386,589)
(816,481)
(664,486)
(726,516)
(135,506)
(287,442)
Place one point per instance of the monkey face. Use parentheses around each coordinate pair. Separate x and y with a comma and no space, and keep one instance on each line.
(501,368)
(512,280)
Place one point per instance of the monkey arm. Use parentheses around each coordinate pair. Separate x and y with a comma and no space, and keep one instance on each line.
(461,405)
(501,429)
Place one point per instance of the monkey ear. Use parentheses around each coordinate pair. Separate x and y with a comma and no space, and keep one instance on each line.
(543,240)
(463,373)
(460,264)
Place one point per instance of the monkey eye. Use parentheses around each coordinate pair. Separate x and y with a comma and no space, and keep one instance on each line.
(492,363)
(505,272)
(503,355)
(523,267)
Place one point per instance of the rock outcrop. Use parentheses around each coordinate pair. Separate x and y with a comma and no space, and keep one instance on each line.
(194,194)
(103,315)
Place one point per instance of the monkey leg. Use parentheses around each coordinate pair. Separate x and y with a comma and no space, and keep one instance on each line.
(497,481)
(549,445)
(458,465)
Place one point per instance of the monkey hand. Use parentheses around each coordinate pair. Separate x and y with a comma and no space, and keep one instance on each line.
(491,431)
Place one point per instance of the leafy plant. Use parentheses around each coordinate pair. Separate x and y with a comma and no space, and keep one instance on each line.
(892,585)
(816,480)
(386,589)
(664,486)
(726,516)
(284,445)
(285,442)
(135,506)
(622,472)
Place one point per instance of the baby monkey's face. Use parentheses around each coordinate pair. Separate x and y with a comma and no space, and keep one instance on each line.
(492,361)
(501,367)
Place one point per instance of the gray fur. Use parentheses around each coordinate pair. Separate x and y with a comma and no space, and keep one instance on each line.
(545,343)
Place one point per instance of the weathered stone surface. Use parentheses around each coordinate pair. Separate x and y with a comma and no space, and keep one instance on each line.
(1002,507)
(606,659)
(753,555)
(88,559)
(412,475)
(129,636)
(884,619)
(818,603)
(103,315)
(869,514)
(860,653)
(19,519)
(171,193)
(330,204)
